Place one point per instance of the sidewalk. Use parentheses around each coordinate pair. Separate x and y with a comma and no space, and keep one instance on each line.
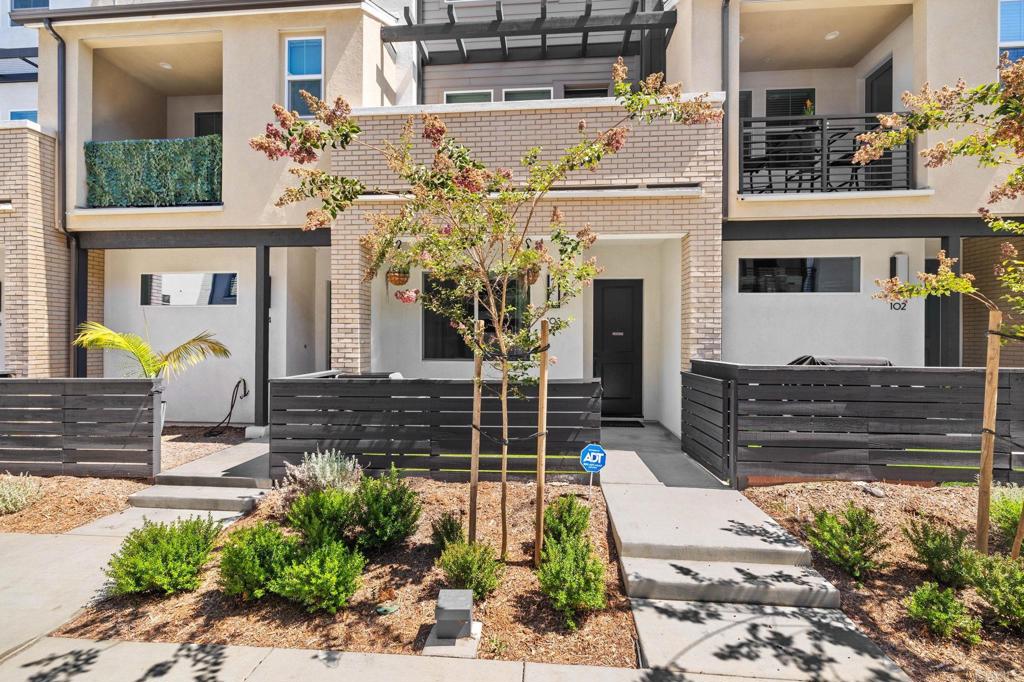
(79,660)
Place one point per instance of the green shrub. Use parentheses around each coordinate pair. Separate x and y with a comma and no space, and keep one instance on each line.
(942,613)
(943,553)
(253,557)
(163,557)
(17,492)
(174,172)
(1000,582)
(320,471)
(852,542)
(446,529)
(565,518)
(1007,502)
(471,567)
(572,577)
(323,516)
(388,510)
(323,580)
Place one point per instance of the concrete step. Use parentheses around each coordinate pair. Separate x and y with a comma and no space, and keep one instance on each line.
(202,498)
(246,465)
(121,523)
(690,524)
(714,581)
(759,642)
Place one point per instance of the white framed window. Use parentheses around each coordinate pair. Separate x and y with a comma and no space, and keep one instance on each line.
(526,94)
(468,96)
(1011,28)
(23,115)
(303,70)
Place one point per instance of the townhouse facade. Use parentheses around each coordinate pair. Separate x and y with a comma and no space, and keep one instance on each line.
(757,241)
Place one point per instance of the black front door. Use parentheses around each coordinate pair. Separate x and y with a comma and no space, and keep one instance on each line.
(878,90)
(618,345)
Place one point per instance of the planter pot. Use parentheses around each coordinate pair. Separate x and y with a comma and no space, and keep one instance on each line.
(397,278)
(532,276)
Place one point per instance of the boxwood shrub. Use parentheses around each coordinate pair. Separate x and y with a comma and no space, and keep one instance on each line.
(177,172)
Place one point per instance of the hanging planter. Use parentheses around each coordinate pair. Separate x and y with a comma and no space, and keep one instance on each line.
(532,275)
(398,278)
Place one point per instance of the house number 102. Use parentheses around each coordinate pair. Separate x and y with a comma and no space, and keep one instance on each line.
(898,305)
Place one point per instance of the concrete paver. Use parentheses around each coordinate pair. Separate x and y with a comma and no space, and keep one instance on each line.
(246,465)
(625,466)
(662,452)
(696,524)
(45,580)
(296,665)
(543,672)
(119,524)
(764,642)
(204,498)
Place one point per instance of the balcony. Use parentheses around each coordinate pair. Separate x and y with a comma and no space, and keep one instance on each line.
(150,173)
(802,154)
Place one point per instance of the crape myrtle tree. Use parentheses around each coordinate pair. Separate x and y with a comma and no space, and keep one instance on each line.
(989,123)
(481,234)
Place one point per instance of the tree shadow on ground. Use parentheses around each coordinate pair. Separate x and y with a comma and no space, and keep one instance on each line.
(204,663)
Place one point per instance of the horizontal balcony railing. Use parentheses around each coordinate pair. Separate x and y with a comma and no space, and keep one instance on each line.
(144,173)
(787,154)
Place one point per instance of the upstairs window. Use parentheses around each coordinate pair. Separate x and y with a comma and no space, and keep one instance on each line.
(25,115)
(585,91)
(526,94)
(29,4)
(304,70)
(1011,28)
(833,274)
(789,102)
(467,96)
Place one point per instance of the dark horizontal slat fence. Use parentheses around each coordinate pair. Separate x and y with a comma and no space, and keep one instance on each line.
(851,423)
(424,425)
(80,427)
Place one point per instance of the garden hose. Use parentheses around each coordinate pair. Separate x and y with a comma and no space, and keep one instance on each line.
(222,426)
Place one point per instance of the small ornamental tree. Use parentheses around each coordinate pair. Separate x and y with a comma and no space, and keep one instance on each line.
(989,120)
(481,234)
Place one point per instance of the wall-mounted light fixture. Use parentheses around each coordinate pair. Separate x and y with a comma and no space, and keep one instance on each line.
(899,266)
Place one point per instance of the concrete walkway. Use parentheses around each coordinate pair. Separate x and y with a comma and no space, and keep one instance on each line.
(78,660)
(662,453)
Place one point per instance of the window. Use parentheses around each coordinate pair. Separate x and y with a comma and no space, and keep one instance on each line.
(746,104)
(468,96)
(525,94)
(442,342)
(584,91)
(799,275)
(304,71)
(189,289)
(790,102)
(29,4)
(1011,28)
(25,115)
(208,123)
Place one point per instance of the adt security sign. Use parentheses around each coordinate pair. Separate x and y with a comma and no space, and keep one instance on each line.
(593,458)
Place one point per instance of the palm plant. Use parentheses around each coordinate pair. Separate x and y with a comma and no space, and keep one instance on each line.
(152,363)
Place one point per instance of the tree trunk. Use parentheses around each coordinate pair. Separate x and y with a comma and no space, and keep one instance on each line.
(504,459)
(542,442)
(474,452)
(988,428)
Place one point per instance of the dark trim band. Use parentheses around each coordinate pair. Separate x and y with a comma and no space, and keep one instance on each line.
(202,239)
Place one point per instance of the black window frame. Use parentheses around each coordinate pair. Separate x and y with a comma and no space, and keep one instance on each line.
(793,106)
(432,323)
(751,275)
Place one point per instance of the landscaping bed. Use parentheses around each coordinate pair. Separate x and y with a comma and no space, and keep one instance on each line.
(65,502)
(878,605)
(518,621)
(183,444)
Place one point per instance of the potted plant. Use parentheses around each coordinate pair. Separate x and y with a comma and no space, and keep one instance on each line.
(398,275)
(152,364)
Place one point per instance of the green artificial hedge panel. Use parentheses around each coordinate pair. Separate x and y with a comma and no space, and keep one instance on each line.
(178,172)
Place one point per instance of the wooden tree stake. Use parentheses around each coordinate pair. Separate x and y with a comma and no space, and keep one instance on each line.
(474,457)
(1018,538)
(988,428)
(542,441)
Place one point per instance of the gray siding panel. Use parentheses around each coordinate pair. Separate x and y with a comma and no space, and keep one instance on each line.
(495,76)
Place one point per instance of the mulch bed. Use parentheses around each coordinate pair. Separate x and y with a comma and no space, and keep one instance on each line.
(518,623)
(67,502)
(878,605)
(182,444)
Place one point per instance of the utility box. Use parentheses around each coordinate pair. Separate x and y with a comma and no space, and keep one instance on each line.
(454,613)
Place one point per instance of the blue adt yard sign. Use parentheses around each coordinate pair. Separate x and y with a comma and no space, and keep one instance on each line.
(593,458)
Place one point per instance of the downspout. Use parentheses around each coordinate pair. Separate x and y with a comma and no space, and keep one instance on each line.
(726,123)
(62,218)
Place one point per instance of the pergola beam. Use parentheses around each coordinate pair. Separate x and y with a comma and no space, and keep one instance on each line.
(424,54)
(532,53)
(500,16)
(628,33)
(548,25)
(451,24)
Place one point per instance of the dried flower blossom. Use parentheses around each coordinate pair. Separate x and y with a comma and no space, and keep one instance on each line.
(434,129)
(408,295)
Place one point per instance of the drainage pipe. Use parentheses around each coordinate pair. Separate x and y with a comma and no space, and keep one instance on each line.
(726,78)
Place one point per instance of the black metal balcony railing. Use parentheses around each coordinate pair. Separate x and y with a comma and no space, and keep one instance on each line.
(783,154)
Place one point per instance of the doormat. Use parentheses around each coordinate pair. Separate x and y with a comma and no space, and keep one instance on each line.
(622,423)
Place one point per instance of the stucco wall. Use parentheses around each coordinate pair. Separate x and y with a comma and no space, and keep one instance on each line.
(17,97)
(765,328)
(123,107)
(181,112)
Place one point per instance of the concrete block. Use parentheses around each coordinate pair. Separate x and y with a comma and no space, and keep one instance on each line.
(698,525)
(758,641)
(464,646)
(728,582)
(202,498)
